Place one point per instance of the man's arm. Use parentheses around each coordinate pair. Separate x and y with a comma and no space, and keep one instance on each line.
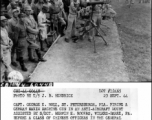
(40,23)
(30,29)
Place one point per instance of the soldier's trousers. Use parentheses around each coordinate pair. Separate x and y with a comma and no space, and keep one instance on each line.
(21,47)
(71,28)
(32,46)
(96,17)
(13,51)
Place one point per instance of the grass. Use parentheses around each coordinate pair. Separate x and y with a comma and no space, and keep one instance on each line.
(135,36)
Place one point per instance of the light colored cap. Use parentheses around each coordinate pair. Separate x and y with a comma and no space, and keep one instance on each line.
(15,10)
(109,6)
(3,18)
(28,8)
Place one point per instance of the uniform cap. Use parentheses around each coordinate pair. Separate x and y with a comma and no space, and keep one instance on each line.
(28,8)
(3,18)
(21,15)
(15,10)
(109,6)
(45,7)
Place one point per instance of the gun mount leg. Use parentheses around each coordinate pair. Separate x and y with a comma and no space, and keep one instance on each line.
(101,36)
(94,43)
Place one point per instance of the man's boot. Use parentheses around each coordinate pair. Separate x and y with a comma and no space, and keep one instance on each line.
(62,30)
(47,43)
(21,61)
(30,54)
(13,61)
(42,46)
(40,58)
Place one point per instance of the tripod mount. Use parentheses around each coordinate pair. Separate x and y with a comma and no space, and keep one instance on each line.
(93,25)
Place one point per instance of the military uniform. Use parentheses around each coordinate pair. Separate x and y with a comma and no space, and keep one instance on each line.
(43,28)
(12,31)
(96,17)
(36,9)
(72,18)
(32,34)
(21,40)
(21,43)
(6,45)
(110,12)
(57,13)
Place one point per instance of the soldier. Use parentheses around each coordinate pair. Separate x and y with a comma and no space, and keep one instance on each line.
(32,33)
(12,23)
(109,12)
(57,12)
(96,17)
(37,8)
(21,41)
(72,17)
(13,6)
(6,45)
(43,26)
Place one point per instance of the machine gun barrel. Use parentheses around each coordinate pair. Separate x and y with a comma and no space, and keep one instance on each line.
(85,3)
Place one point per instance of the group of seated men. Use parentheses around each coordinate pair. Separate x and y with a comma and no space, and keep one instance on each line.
(25,26)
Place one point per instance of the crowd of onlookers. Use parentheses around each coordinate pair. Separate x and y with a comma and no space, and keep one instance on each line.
(26,25)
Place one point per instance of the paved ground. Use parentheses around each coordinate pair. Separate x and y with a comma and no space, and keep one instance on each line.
(76,62)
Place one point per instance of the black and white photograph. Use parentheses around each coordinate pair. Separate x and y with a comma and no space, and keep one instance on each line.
(75,40)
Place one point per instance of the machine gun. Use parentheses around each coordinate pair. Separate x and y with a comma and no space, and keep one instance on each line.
(90,22)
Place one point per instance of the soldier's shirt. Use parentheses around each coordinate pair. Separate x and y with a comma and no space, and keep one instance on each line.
(12,25)
(5,40)
(10,12)
(72,8)
(31,26)
(21,30)
(41,19)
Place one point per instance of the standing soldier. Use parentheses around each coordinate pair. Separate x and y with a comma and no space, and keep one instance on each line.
(21,41)
(32,33)
(13,6)
(72,17)
(6,45)
(109,12)
(37,8)
(43,26)
(12,23)
(57,12)
(96,17)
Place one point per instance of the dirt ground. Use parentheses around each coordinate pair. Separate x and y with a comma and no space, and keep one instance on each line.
(134,26)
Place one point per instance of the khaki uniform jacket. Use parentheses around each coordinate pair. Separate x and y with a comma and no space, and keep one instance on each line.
(12,28)
(5,43)
(32,28)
